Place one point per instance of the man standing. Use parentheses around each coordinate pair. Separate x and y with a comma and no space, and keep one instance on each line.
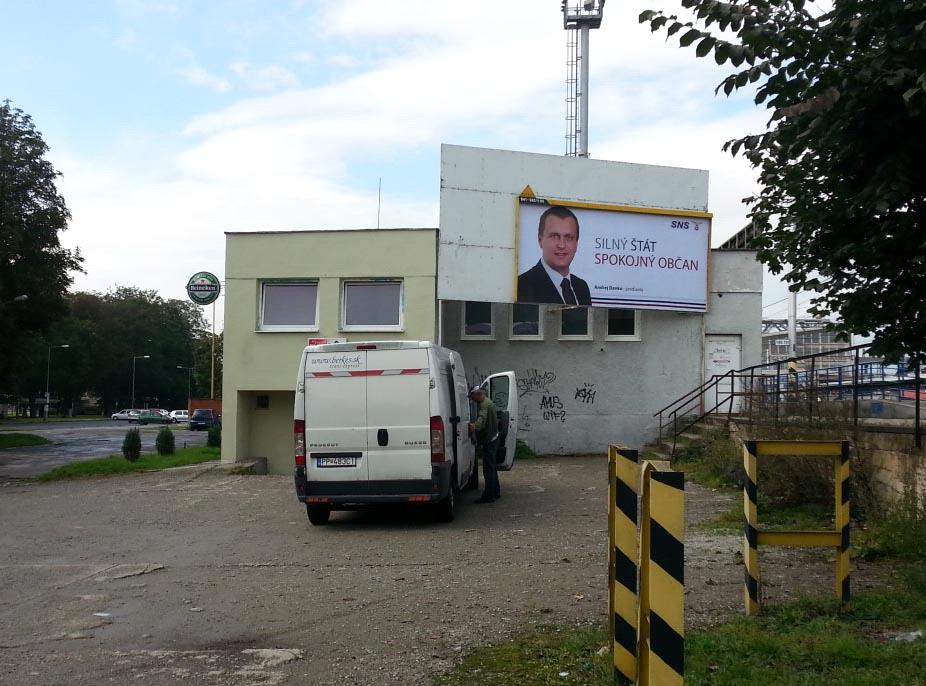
(549,281)
(486,429)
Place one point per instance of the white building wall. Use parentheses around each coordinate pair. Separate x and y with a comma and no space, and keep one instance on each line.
(579,396)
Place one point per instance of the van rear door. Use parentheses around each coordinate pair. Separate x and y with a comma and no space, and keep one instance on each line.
(398,414)
(502,389)
(335,416)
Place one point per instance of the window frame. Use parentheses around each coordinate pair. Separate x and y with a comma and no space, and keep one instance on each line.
(477,337)
(344,326)
(589,334)
(637,319)
(286,328)
(526,337)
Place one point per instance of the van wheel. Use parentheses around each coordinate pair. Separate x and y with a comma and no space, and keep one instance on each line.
(318,514)
(472,483)
(446,508)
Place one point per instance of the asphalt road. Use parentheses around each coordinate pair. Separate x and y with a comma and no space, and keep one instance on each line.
(76,441)
(197,576)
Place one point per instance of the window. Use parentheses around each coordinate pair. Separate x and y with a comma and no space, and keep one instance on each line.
(289,306)
(623,325)
(478,321)
(574,323)
(263,401)
(371,306)
(526,322)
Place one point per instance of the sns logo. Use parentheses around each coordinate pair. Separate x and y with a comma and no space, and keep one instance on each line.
(686,225)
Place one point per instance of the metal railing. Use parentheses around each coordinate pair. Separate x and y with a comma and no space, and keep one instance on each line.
(797,386)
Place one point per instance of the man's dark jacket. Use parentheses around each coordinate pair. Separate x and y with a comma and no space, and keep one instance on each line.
(535,286)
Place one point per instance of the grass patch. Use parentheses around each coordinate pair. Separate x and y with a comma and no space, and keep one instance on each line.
(715,461)
(15,440)
(12,421)
(116,464)
(537,657)
(812,642)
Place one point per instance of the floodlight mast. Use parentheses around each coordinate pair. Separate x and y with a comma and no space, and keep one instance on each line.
(581,17)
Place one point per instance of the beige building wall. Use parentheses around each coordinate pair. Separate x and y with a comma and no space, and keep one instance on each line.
(264,363)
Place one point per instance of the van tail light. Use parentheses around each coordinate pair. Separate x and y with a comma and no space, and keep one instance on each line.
(299,442)
(437,440)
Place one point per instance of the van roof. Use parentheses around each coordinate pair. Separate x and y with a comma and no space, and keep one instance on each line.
(369,345)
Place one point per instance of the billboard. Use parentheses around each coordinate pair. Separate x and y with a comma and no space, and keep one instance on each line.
(485,243)
(599,255)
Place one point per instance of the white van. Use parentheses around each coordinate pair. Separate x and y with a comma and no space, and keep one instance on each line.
(387,421)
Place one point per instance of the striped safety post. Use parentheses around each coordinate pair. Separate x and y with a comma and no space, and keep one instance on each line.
(662,578)
(750,529)
(624,599)
(843,496)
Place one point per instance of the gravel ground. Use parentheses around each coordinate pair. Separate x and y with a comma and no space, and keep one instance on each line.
(196,576)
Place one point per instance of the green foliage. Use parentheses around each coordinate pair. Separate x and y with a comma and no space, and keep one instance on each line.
(15,440)
(843,183)
(164,443)
(898,531)
(131,445)
(716,460)
(522,450)
(115,464)
(32,214)
(214,438)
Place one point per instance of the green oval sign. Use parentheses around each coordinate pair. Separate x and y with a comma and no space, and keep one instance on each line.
(203,288)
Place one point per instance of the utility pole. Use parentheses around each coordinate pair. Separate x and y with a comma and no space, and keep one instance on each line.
(48,376)
(582,17)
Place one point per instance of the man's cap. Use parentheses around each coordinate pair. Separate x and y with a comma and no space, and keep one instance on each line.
(474,389)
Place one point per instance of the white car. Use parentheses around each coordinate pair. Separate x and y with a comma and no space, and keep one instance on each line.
(180,416)
(126,415)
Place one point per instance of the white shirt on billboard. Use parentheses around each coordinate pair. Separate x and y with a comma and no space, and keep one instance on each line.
(556,278)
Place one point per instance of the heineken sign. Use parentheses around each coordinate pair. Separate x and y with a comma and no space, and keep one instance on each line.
(203,288)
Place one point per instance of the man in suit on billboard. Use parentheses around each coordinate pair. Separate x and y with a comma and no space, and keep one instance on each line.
(549,281)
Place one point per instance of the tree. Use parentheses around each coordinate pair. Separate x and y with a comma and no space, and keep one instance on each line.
(32,260)
(842,164)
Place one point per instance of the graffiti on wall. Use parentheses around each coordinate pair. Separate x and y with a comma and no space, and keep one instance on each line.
(552,408)
(586,394)
(535,381)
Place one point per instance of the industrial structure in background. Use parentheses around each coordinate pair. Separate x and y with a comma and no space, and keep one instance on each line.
(811,337)
(578,20)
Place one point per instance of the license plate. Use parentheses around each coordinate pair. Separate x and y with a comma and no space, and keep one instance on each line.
(336,461)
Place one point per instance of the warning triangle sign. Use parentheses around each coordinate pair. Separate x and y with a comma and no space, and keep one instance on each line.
(528,192)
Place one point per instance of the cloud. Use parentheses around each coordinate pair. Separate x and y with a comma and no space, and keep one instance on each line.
(270,78)
(291,156)
(199,76)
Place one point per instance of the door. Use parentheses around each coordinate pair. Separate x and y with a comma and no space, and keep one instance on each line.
(502,390)
(722,355)
(398,414)
(336,416)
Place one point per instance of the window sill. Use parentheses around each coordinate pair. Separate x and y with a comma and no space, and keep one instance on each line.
(622,338)
(287,329)
(371,329)
(477,338)
(576,338)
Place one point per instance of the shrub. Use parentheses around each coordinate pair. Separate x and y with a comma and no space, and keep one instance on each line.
(522,450)
(214,438)
(165,441)
(131,445)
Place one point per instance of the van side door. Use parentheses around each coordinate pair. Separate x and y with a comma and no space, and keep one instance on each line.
(502,389)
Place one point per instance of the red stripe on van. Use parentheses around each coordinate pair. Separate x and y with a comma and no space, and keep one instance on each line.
(320,373)
(369,372)
(412,371)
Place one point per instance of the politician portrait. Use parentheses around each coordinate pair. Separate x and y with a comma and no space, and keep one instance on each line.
(550,280)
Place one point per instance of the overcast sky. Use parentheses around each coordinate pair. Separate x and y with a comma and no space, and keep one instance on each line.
(173,121)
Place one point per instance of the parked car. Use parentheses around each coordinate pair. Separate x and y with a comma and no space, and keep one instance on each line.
(126,415)
(355,444)
(180,416)
(153,417)
(203,418)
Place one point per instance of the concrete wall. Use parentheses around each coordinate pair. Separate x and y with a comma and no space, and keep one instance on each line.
(262,362)
(897,469)
(607,391)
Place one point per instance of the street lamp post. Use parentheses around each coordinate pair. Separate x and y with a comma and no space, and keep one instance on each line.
(134,358)
(189,384)
(48,373)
